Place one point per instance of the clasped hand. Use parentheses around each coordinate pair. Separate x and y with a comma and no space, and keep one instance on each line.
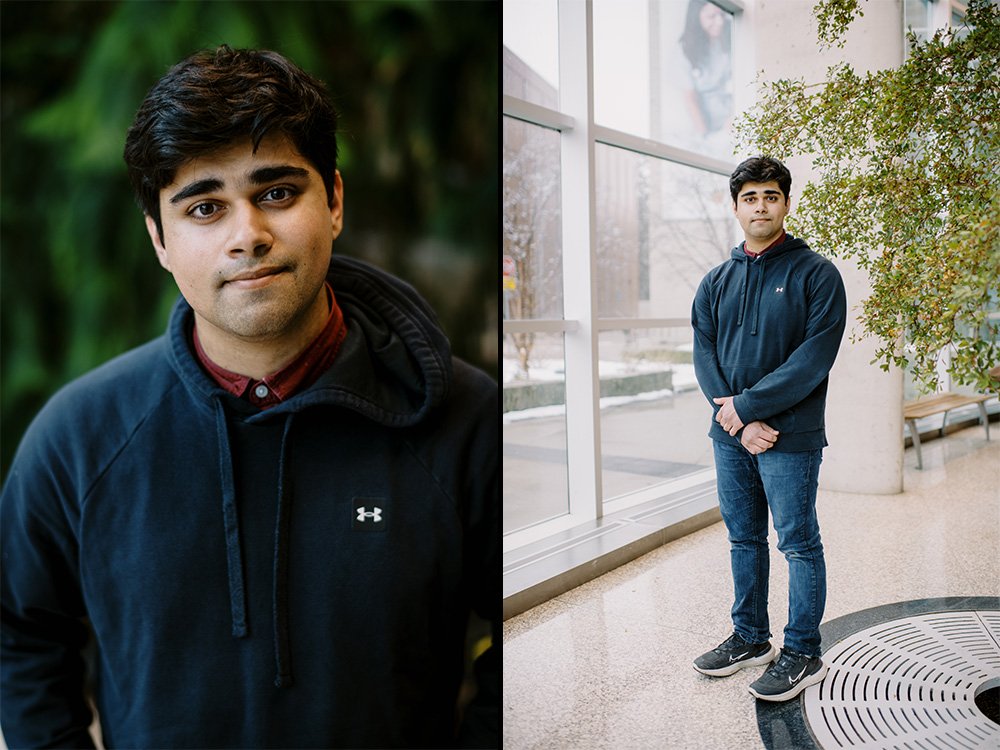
(757,436)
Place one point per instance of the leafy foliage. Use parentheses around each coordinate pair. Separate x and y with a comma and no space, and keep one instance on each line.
(415,82)
(907,161)
(832,19)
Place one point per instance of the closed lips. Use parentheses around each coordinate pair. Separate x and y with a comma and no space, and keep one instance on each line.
(256,274)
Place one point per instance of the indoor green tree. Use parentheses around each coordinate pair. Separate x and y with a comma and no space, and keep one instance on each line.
(907,186)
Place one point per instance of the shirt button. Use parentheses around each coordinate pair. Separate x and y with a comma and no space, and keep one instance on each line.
(260,391)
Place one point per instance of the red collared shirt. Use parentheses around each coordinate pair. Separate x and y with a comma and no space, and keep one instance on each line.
(297,375)
(778,241)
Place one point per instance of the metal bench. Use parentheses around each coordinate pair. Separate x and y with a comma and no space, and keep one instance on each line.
(939,403)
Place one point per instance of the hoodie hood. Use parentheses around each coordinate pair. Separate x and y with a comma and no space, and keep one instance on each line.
(394,367)
(738,254)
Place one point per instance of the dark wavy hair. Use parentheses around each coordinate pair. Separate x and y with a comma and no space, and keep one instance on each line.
(213,98)
(760,169)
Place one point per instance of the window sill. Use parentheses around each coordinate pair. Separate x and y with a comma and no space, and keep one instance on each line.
(541,570)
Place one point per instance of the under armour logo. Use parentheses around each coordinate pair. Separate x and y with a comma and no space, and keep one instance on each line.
(364,514)
(779,289)
(370,514)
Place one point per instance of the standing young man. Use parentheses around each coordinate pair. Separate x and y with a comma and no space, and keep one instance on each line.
(272,522)
(767,326)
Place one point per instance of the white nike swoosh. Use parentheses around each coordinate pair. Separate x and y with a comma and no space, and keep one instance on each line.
(796,678)
(735,658)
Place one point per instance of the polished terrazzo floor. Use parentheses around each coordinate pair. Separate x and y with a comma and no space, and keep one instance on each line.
(608,665)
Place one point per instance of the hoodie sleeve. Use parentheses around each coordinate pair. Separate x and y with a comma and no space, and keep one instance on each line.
(706,362)
(809,364)
(42,626)
(480,726)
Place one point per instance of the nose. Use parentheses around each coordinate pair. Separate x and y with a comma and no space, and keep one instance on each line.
(251,231)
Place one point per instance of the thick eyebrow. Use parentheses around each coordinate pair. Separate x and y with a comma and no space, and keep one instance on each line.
(261,176)
(197,188)
(265,175)
(769,191)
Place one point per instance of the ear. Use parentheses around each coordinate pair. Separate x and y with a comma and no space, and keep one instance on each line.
(154,236)
(337,204)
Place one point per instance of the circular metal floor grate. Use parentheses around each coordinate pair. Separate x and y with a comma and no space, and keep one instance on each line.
(910,684)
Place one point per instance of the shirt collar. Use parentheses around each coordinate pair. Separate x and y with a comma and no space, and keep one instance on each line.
(297,375)
(781,238)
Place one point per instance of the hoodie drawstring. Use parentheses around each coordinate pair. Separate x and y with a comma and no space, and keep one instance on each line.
(231,522)
(234,552)
(744,294)
(756,302)
(282,649)
(231,525)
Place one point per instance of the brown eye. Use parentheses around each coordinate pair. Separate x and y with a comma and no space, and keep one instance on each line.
(203,210)
(278,194)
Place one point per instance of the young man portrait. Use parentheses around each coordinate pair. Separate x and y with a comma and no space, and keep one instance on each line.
(767,327)
(269,526)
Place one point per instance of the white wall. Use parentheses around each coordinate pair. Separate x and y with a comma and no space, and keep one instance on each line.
(864,408)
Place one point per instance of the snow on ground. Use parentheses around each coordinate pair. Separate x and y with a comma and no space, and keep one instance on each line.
(548,370)
(552,371)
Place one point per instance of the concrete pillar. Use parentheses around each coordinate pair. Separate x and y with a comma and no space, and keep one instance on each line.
(864,408)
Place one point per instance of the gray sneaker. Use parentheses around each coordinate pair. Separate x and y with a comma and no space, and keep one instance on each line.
(734,654)
(789,676)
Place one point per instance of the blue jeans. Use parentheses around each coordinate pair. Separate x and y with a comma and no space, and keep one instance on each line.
(786,483)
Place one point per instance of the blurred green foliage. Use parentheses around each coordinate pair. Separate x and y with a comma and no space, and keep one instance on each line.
(416,84)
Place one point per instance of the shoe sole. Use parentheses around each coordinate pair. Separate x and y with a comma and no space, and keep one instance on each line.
(813,679)
(757,661)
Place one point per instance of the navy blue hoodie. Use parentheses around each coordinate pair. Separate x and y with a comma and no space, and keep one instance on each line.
(767,331)
(296,577)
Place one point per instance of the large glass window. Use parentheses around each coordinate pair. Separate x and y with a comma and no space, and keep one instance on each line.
(653,417)
(958,11)
(535,485)
(535,480)
(663,70)
(661,227)
(534,431)
(616,204)
(532,222)
(531,51)
(917,19)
